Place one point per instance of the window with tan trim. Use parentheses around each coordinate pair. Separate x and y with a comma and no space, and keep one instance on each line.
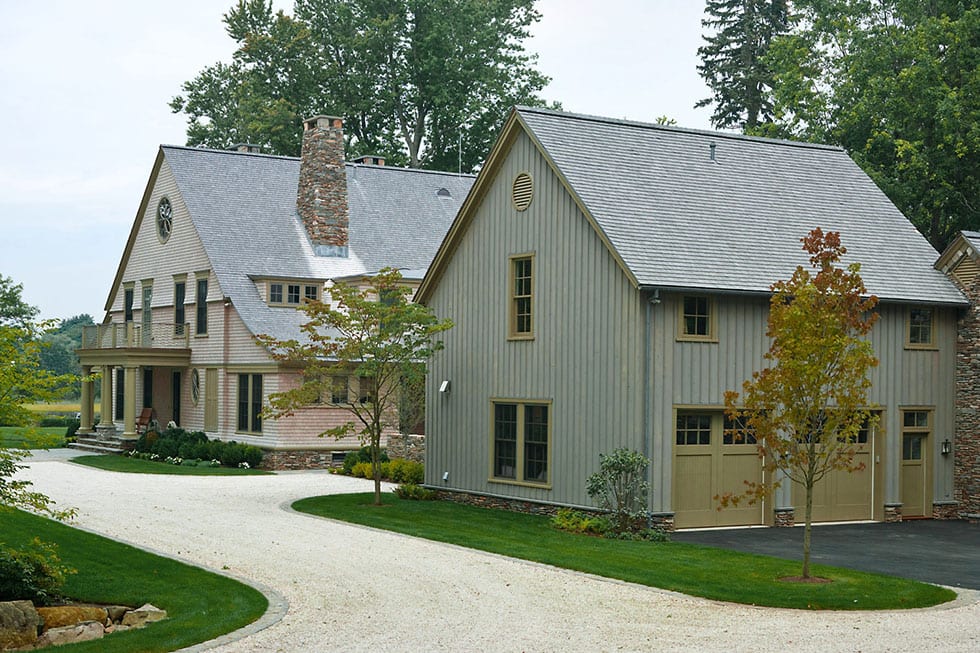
(916,429)
(919,333)
(696,318)
(521,313)
(284,293)
(520,442)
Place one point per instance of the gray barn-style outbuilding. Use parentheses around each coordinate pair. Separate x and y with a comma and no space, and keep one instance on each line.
(609,281)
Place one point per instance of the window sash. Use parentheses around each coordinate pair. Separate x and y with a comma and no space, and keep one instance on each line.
(521,442)
(522,297)
(693,429)
(180,290)
(249,403)
(920,326)
(275,293)
(311,292)
(128,298)
(201,325)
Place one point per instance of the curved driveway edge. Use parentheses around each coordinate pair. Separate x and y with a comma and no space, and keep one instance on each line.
(356,589)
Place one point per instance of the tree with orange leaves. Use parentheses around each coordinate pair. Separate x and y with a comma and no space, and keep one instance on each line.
(805,410)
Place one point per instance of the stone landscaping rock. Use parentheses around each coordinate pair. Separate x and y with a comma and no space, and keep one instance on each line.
(116,612)
(83,632)
(68,615)
(18,624)
(143,615)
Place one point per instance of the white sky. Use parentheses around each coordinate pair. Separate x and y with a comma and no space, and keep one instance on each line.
(85,87)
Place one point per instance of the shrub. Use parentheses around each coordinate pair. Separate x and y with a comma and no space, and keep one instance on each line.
(167,448)
(574,521)
(232,454)
(72,429)
(59,420)
(414,492)
(401,470)
(362,455)
(32,574)
(619,486)
(362,470)
(253,456)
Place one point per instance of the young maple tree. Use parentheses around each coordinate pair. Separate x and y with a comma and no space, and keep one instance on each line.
(806,409)
(376,334)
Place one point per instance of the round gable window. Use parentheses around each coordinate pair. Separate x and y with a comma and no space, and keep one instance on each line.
(522,192)
(165,219)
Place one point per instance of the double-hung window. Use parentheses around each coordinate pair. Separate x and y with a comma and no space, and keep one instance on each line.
(521,313)
(696,318)
(202,307)
(521,442)
(180,290)
(919,334)
(249,403)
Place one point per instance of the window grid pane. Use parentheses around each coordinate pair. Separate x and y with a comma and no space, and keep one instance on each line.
(202,306)
(292,294)
(693,428)
(311,292)
(535,443)
(243,402)
(522,295)
(920,326)
(696,316)
(180,289)
(275,293)
(737,432)
(505,440)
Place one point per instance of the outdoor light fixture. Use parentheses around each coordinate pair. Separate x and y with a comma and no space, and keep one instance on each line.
(445,476)
(444,387)
(946,447)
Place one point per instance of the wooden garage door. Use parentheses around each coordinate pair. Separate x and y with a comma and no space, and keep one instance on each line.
(710,460)
(842,495)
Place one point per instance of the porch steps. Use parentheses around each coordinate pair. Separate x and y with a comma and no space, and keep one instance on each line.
(105,444)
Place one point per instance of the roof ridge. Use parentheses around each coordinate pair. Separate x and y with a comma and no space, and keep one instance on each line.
(678,130)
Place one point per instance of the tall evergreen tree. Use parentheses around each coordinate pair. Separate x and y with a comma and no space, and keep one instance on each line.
(732,60)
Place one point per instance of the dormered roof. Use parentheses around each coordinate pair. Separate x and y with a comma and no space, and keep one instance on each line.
(243,206)
(961,259)
(689,209)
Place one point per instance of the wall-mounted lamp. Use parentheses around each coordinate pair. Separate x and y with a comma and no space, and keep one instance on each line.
(946,447)
(445,476)
(444,387)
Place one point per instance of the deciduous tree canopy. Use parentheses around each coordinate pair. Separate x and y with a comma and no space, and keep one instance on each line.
(423,82)
(806,409)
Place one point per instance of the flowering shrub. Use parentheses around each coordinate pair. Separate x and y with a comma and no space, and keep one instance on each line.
(243,465)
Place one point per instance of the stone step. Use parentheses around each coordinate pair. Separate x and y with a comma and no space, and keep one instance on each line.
(96,448)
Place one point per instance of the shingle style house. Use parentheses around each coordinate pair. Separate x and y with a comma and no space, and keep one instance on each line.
(609,281)
(223,249)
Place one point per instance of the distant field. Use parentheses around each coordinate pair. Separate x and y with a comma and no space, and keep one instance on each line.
(66,407)
(31,437)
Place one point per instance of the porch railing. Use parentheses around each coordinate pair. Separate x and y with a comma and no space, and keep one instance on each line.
(132,334)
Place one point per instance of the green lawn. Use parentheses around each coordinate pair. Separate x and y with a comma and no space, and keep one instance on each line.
(200,605)
(31,437)
(139,466)
(688,568)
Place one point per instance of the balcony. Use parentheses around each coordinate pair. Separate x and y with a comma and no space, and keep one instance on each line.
(131,335)
(130,343)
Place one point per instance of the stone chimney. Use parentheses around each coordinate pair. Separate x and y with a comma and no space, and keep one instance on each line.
(321,198)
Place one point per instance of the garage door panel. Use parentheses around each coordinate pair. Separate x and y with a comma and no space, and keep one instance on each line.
(692,487)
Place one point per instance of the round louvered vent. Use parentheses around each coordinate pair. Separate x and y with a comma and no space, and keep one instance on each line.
(523,191)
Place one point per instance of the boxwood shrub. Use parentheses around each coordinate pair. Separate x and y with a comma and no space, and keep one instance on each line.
(195,445)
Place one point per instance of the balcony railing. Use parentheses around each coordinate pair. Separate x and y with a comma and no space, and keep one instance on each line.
(131,334)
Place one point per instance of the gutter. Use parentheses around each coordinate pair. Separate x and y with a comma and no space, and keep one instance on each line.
(653,298)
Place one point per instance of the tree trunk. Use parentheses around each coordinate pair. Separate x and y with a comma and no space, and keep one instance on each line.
(376,466)
(807,523)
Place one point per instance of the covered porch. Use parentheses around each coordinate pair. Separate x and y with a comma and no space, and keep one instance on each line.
(128,354)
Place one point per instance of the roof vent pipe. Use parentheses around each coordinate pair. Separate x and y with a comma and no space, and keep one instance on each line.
(711,147)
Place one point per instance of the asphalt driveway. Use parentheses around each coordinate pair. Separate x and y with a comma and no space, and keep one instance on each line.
(943,552)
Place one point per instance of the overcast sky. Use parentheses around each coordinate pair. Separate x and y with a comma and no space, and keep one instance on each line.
(85,87)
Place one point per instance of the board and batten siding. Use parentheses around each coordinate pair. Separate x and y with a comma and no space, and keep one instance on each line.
(586,357)
(697,374)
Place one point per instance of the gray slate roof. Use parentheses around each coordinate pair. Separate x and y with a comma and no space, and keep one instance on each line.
(680,220)
(244,209)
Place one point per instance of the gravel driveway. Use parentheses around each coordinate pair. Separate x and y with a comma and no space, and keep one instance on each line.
(351,588)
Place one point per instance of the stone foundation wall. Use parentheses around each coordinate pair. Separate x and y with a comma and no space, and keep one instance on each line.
(410,447)
(285,460)
(946,510)
(966,446)
(784,517)
(893,512)
(664,521)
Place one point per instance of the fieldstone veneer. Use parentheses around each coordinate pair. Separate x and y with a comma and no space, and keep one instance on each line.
(321,197)
(966,448)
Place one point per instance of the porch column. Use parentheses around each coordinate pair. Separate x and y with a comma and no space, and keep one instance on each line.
(87,407)
(105,418)
(129,404)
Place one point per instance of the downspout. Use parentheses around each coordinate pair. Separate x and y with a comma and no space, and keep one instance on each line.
(648,345)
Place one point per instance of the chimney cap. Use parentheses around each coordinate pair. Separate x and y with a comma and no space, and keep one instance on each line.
(323,122)
(251,148)
(370,159)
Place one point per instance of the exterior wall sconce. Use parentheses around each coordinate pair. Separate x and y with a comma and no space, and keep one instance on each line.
(946,447)
(444,387)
